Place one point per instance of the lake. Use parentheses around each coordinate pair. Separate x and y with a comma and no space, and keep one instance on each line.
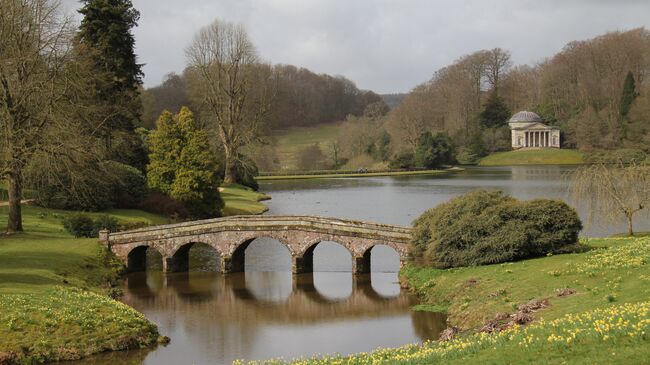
(268,313)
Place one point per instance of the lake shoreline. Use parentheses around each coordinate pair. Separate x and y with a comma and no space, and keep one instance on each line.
(334,175)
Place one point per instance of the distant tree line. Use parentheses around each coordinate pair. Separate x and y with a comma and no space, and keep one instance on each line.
(300,98)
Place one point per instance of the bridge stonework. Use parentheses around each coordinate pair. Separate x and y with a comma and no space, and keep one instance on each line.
(230,236)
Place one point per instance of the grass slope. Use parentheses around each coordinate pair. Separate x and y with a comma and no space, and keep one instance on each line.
(606,320)
(241,200)
(289,143)
(534,157)
(53,304)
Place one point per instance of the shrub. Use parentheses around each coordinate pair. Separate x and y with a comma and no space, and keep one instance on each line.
(82,225)
(162,204)
(484,227)
(127,226)
(105,222)
(402,160)
(619,156)
(433,150)
(79,225)
(129,184)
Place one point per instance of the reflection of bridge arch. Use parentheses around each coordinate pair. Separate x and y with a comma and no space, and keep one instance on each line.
(230,237)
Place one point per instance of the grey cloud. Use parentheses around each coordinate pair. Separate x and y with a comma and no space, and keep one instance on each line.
(382,45)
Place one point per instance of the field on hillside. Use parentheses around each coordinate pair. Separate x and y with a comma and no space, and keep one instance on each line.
(534,157)
(288,143)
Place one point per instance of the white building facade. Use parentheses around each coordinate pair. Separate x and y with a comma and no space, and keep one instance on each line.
(529,131)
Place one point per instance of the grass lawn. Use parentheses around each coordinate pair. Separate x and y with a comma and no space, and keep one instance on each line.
(606,319)
(289,142)
(241,200)
(534,157)
(53,302)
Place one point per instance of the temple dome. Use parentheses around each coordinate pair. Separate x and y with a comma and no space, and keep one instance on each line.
(525,117)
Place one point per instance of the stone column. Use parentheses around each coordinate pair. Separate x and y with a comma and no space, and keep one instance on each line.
(525,139)
(229,265)
(360,265)
(302,265)
(103,236)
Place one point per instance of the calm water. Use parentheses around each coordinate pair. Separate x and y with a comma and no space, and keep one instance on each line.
(267,313)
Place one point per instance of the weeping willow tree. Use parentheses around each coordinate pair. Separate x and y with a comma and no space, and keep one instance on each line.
(612,192)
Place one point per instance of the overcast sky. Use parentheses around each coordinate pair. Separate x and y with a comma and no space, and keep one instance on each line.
(383,45)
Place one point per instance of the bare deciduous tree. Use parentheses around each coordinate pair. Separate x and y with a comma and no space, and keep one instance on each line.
(498,63)
(232,86)
(612,192)
(34,47)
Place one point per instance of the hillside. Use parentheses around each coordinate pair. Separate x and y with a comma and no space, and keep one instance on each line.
(289,142)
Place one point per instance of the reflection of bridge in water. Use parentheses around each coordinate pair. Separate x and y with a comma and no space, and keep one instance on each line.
(214,319)
(288,301)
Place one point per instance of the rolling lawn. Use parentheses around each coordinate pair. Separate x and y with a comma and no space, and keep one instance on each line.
(288,143)
(549,156)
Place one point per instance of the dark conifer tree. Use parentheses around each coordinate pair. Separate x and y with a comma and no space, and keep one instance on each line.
(628,95)
(495,113)
(105,45)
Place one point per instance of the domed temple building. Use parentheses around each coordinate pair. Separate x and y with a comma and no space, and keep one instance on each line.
(529,131)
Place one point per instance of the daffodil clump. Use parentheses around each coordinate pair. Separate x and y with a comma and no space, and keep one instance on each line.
(67,323)
(618,326)
(627,256)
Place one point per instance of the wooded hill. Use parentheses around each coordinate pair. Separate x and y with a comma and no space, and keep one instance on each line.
(595,90)
(301,98)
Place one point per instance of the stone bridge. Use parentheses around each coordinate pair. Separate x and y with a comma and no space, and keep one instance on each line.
(231,236)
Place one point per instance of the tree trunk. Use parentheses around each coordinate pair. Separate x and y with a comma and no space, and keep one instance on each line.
(15,189)
(230,175)
(630,232)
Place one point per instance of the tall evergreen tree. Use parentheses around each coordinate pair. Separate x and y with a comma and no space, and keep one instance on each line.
(628,95)
(105,45)
(495,113)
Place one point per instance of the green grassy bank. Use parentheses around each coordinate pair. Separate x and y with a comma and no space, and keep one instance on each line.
(596,310)
(549,156)
(54,302)
(240,200)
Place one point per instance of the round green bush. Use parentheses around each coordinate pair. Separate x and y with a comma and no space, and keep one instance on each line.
(488,227)
(79,225)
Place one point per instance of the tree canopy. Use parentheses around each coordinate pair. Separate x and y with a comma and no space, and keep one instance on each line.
(182,164)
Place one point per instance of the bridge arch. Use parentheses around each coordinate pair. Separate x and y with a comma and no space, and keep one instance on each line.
(304,260)
(236,260)
(142,257)
(365,266)
(180,259)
